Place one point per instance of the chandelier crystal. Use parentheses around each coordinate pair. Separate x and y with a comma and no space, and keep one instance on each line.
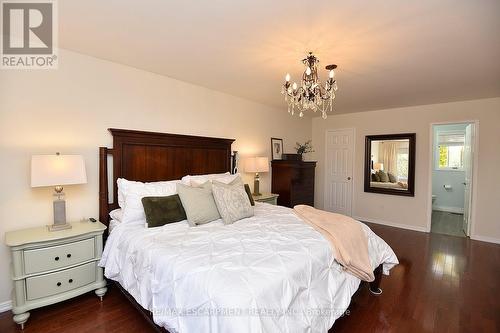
(310,95)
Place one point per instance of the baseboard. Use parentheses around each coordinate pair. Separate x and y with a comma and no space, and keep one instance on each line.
(391,224)
(486,239)
(457,210)
(5,306)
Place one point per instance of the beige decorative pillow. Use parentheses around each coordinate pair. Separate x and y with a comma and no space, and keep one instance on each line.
(392,178)
(199,204)
(232,200)
(383,176)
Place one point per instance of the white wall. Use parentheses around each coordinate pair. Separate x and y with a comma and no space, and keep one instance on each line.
(451,200)
(447,199)
(412,212)
(70,109)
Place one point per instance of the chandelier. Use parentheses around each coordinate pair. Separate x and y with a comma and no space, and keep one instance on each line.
(310,95)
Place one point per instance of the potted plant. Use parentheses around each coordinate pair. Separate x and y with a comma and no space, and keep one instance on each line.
(304,148)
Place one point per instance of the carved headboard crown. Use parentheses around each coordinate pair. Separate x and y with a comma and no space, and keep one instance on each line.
(150,156)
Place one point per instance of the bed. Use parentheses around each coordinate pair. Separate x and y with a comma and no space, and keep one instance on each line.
(395,186)
(267,273)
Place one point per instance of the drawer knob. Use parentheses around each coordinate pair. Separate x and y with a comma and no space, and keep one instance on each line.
(70,280)
(56,258)
(68,255)
(58,284)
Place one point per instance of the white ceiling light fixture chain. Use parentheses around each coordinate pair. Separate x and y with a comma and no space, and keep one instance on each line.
(310,95)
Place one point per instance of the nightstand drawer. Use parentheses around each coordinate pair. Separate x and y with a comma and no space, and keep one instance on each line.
(58,282)
(51,267)
(269,198)
(54,257)
(271,201)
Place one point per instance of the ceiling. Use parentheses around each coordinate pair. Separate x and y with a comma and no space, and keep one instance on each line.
(390,53)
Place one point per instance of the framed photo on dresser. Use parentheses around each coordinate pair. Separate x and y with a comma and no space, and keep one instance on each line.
(276,148)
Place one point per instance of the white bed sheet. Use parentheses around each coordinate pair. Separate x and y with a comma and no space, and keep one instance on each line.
(268,273)
(394,186)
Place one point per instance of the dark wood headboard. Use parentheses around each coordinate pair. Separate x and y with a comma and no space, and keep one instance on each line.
(149,156)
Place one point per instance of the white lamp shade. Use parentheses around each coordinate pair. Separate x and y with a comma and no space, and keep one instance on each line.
(378,166)
(56,170)
(257,164)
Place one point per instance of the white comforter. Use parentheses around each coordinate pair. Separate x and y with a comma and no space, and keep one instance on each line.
(268,273)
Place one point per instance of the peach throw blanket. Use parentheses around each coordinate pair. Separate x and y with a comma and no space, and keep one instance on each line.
(346,237)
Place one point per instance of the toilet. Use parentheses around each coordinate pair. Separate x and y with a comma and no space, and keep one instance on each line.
(434,199)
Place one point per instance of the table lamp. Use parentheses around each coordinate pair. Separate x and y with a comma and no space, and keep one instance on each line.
(378,166)
(58,170)
(256,165)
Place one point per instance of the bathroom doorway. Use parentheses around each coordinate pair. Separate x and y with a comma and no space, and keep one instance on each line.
(453,148)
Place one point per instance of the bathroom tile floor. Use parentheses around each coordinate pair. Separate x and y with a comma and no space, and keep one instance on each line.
(447,223)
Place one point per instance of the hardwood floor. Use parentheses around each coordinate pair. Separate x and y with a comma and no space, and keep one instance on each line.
(443,284)
(82,314)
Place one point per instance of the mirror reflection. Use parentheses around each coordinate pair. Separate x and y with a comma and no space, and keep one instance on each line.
(390,164)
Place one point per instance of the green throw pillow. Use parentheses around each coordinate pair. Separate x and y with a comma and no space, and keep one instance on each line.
(249,193)
(376,177)
(163,210)
(383,176)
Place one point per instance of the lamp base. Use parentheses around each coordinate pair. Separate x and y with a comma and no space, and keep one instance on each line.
(58,227)
(59,212)
(256,183)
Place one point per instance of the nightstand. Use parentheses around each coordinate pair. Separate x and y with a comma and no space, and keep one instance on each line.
(269,198)
(50,267)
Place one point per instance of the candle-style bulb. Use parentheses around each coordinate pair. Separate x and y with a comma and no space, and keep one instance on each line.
(308,71)
(287,77)
(331,74)
(294,86)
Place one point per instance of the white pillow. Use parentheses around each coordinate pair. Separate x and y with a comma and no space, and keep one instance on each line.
(125,185)
(222,178)
(133,211)
(186,180)
(116,214)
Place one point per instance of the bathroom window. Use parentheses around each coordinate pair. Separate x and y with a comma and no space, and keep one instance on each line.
(450,150)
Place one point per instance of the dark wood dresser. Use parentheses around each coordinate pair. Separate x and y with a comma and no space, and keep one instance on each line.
(294,182)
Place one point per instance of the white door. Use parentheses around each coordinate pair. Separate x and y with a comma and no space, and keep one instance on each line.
(468,158)
(339,171)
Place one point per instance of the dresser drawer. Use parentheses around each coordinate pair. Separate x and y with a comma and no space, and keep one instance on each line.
(54,257)
(59,282)
(302,198)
